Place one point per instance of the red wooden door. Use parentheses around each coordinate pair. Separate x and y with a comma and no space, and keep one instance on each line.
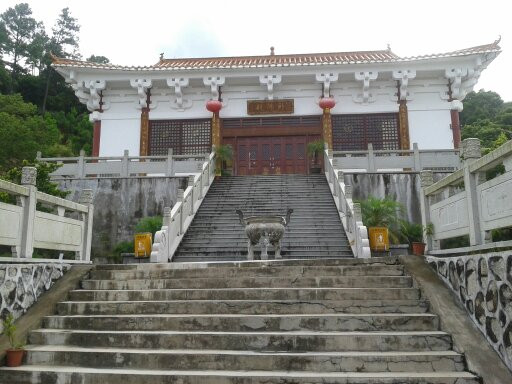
(271,155)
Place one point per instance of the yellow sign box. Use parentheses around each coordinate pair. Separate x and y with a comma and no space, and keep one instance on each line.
(379,238)
(143,243)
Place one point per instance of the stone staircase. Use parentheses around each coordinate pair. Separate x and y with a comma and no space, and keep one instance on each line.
(287,321)
(315,229)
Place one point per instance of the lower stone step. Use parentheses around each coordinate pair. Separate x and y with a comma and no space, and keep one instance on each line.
(263,282)
(185,359)
(248,323)
(73,375)
(241,307)
(257,341)
(248,294)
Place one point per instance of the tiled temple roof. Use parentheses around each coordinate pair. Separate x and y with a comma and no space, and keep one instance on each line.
(311,59)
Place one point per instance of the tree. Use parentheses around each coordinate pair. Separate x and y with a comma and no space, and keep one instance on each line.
(19,28)
(98,59)
(25,131)
(63,43)
(479,106)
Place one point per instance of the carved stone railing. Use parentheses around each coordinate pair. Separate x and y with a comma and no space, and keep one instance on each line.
(177,220)
(483,284)
(123,166)
(23,227)
(415,160)
(350,212)
(464,203)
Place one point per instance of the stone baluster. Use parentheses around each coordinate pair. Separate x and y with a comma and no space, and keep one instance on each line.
(471,151)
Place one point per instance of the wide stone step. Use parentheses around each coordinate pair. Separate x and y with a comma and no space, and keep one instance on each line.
(348,270)
(248,323)
(335,294)
(240,255)
(83,375)
(258,341)
(255,282)
(286,249)
(388,260)
(254,307)
(189,359)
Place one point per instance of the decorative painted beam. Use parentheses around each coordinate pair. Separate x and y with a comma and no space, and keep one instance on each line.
(403,76)
(270,81)
(178,83)
(327,79)
(214,82)
(142,86)
(365,97)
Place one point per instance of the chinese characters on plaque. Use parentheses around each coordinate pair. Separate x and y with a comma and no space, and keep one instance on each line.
(269,107)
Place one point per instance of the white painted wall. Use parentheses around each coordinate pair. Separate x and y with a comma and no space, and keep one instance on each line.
(118,135)
(431,129)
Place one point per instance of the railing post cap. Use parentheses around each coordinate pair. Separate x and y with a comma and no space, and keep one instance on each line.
(82,153)
(471,149)
(191,179)
(126,152)
(28,175)
(426,178)
(181,192)
(167,211)
(86,197)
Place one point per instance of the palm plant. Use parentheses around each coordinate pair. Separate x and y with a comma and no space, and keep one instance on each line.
(224,155)
(382,213)
(314,148)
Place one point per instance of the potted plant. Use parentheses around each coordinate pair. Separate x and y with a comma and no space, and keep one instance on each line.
(14,355)
(224,155)
(314,149)
(381,218)
(414,234)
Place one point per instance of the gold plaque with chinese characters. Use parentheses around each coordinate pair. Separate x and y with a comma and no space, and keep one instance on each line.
(270,107)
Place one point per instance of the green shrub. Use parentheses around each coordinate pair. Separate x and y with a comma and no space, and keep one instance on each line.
(149,224)
(382,213)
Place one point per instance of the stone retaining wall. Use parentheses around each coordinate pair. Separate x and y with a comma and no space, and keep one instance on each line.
(22,284)
(483,283)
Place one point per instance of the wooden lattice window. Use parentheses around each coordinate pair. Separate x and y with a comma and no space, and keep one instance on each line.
(355,132)
(185,137)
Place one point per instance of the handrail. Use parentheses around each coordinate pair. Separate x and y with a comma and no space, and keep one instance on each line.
(350,212)
(25,228)
(124,166)
(414,160)
(478,207)
(177,220)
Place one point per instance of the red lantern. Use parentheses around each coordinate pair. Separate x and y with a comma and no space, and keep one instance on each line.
(214,106)
(326,102)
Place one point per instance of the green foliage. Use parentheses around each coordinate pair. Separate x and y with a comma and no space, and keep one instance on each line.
(411,232)
(149,224)
(382,213)
(24,130)
(224,155)
(98,59)
(480,105)
(19,28)
(43,182)
(314,149)
(9,330)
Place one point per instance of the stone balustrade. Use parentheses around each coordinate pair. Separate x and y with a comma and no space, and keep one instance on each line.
(483,284)
(465,203)
(124,166)
(23,227)
(350,212)
(415,160)
(177,220)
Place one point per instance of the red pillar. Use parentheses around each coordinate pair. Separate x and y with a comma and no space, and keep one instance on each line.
(454,113)
(96,135)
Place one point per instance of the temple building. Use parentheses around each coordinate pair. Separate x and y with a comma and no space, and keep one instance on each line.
(269,107)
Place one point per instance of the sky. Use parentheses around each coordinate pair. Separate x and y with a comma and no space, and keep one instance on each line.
(136,32)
